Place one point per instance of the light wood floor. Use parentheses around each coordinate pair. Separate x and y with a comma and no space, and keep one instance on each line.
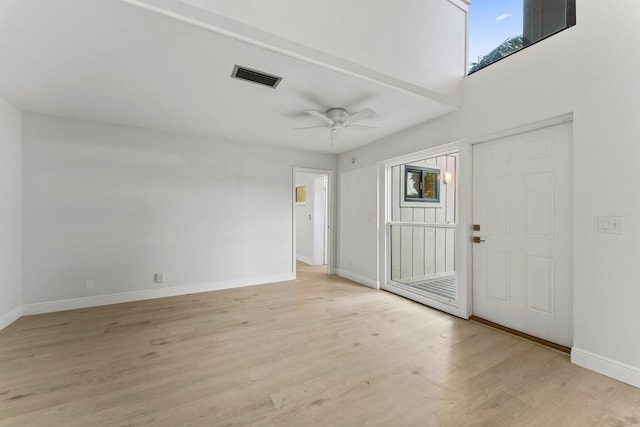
(320,351)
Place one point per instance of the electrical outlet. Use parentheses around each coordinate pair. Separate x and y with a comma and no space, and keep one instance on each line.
(88,284)
(159,278)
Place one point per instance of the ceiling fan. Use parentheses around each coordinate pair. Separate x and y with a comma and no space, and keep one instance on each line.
(336,119)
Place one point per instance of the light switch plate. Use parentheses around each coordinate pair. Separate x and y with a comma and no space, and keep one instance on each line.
(611,225)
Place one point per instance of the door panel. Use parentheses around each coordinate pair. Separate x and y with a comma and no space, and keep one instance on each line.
(522,200)
(539,190)
(498,220)
(498,276)
(540,284)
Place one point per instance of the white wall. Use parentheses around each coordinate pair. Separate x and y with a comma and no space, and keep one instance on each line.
(357,219)
(590,70)
(115,205)
(10,213)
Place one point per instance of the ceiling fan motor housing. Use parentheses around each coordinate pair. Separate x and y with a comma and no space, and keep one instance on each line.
(337,114)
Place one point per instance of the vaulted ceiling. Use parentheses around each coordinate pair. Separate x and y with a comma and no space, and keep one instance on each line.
(166,64)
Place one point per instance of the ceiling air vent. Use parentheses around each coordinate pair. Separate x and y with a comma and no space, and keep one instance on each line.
(255,76)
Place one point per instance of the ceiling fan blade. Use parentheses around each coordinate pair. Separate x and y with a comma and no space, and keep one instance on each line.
(320,116)
(361,127)
(309,127)
(360,115)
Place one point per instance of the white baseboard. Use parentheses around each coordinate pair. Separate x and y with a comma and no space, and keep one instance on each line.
(10,317)
(605,366)
(357,278)
(304,259)
(94,301)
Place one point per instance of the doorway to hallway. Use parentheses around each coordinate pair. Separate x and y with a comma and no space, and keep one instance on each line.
(312,220)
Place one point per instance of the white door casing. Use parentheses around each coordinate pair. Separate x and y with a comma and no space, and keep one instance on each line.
(330,216)
(320,220)
(522,201)
(460,258)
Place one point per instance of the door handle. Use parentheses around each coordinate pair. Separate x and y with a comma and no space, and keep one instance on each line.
(477,239)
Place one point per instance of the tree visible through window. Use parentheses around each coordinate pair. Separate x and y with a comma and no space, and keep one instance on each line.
(498,29)
(422,184)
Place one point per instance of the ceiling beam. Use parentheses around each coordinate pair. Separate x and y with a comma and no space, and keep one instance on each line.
(222,25)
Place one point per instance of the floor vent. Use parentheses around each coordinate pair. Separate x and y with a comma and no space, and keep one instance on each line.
(255,76)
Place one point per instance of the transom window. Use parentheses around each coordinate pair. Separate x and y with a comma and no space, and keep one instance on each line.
(499,28)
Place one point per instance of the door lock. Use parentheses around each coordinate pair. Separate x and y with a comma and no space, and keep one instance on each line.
(477,239)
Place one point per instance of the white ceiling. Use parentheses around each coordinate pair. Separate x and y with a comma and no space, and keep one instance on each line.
(421,42)
(107,61)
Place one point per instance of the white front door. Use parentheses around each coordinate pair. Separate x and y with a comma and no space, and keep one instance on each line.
(522,203)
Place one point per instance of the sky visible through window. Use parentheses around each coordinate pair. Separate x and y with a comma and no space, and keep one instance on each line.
(491,22)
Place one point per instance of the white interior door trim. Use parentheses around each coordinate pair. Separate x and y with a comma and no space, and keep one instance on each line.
(462,307)
(528,127)
(331,216)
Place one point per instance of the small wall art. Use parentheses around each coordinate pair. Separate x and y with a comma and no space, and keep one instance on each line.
(301,195)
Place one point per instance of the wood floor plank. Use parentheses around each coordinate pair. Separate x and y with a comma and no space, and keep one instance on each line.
(318,351)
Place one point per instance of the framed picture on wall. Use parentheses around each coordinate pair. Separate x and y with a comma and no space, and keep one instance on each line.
(301,195)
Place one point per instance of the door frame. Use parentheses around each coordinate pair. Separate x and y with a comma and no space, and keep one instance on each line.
(530,127)
(324,198)
(464,246)
(330,217)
